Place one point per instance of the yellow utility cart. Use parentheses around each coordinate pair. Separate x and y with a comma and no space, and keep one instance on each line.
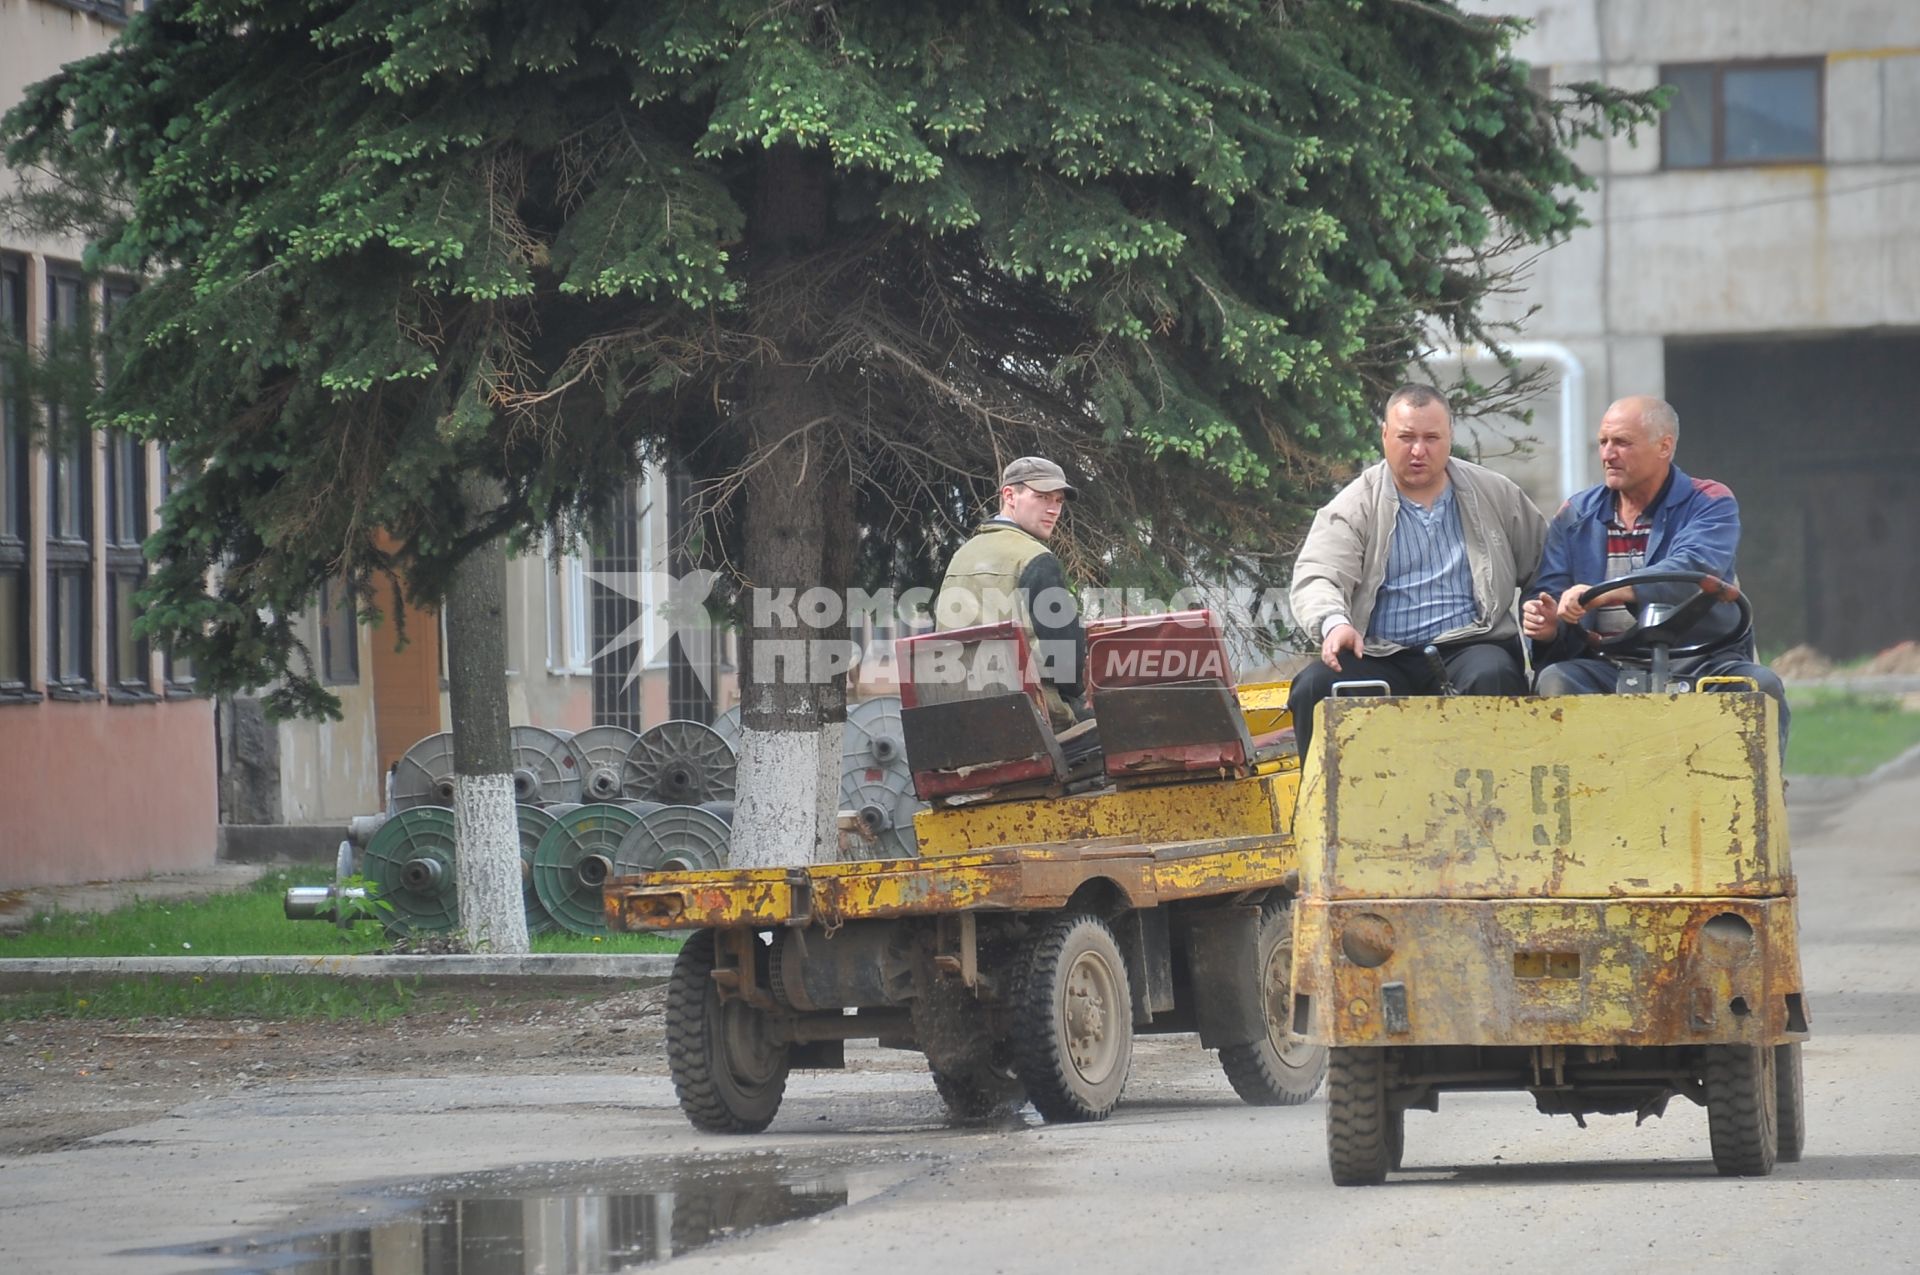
(1039,929)
(1587,898)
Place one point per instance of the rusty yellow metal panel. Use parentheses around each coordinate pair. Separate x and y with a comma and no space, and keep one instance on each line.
(1570,797)
(1264,705)
(1013,878)
(1588,972)
(1254,807)
(1251,865)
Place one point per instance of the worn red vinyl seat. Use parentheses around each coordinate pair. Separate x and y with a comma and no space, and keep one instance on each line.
(972,716)
(1163,692)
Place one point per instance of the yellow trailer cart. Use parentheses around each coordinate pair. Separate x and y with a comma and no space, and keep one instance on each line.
(1588,899)
(1021,953)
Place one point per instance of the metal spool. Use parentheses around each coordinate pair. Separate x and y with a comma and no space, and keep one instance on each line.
(546,767)
(875,782)
(534,824)
(424,775)
(680,763)
(410,863)
(603,760)
(574,858)
(728,727)
(675,839)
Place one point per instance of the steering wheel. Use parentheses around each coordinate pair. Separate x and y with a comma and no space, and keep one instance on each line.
(1642,638)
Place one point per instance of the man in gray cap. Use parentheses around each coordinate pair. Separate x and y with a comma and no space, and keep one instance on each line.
(1006,572)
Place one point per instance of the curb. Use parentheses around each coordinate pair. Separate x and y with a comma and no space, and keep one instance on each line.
(560,968)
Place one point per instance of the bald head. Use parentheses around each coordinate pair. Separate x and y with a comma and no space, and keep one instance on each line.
(1637,439)
(1656,415)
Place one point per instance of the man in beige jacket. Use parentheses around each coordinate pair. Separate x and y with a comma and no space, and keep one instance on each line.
(1422,548)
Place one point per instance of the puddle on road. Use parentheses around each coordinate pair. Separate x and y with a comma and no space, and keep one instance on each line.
(594,1219)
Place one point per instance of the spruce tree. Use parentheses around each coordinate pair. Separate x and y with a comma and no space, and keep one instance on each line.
(839,260)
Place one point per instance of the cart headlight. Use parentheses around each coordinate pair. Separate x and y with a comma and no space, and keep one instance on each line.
(1727,939)
(1366,939)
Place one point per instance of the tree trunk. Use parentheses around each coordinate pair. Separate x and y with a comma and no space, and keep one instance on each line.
(485,825)
(800,536)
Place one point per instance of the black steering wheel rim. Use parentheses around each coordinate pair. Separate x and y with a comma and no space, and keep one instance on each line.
(1711,590)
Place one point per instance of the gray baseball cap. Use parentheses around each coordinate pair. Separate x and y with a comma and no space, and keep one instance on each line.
(1038,473)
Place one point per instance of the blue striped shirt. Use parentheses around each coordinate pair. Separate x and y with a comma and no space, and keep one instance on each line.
(1429,586)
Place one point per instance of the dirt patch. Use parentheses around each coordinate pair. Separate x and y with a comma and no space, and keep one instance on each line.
(1801,662)
(1902,658)
(66,1080)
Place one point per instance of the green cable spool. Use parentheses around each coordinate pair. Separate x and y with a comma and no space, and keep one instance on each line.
(675,839)
(534,824)
(410,862)
(574,858)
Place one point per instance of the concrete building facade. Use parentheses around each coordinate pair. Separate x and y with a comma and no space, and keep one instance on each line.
(1754,258)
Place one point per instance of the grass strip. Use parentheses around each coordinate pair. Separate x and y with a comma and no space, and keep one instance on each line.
(1846,733)
(248,922)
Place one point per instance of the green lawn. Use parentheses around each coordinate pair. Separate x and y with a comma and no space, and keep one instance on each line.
(246,923)
(243,923)
(1841,733)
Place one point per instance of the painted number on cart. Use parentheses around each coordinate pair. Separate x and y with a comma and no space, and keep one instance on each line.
(1551,785)
(1477,789)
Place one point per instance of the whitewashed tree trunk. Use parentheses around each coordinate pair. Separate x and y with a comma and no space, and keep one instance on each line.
(492,912)
(485,824)
(787,798)
(800,536)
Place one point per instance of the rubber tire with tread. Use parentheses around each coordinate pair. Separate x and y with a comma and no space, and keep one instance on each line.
(1362,1145)
(1790,1103)
(714,1093)
(980,1093)
(1742,1109)
(1261,1071)
(1072,948)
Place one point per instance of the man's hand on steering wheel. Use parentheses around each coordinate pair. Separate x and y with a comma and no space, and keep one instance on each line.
(1676,623)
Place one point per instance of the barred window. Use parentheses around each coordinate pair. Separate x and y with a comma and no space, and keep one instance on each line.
(69,504)
(15,514)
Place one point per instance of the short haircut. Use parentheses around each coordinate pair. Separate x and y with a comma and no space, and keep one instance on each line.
(1414,394)
(1660,419)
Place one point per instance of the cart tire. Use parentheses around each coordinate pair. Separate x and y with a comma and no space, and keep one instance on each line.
(1364,1135)
(1742,1109)
(1790,1102)
(727,1072)
(1280,1069)
(1073,1020)
(979,1092)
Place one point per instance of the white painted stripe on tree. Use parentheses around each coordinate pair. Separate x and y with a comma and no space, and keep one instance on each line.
(486,836)
(787,799)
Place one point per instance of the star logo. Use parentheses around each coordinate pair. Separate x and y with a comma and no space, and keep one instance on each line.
(669,607)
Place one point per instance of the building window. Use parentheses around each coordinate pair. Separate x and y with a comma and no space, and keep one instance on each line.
(566,612)
(179,667)
(128,669)
(1732,114)
(15,515)
(339,635)
(69,504)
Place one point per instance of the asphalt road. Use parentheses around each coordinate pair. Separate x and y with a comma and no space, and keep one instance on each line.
(1182,1178)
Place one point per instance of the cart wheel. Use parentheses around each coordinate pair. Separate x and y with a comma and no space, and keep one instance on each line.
(1364,1136)
(1280,1069)
(1742,1109)
(728,1072)
(1790,1101)
(1073,1020)
(979,1092)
